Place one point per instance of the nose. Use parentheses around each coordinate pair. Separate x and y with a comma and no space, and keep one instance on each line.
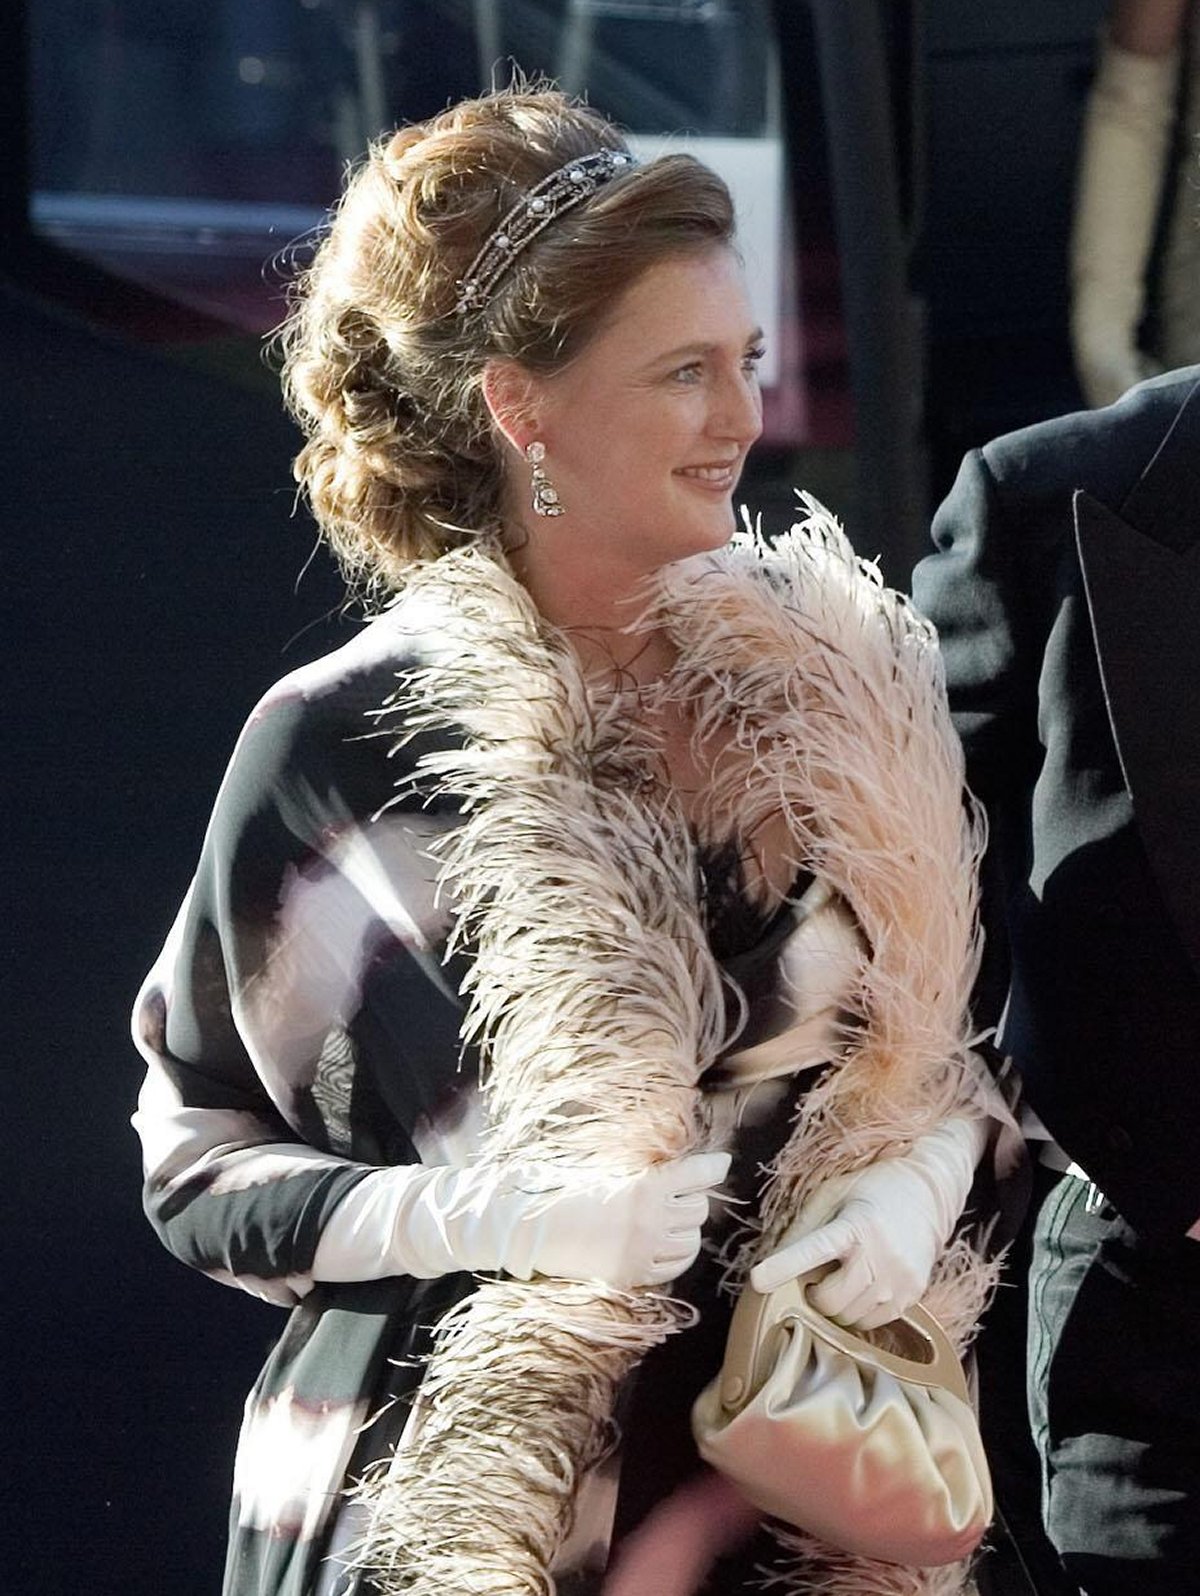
(737,409)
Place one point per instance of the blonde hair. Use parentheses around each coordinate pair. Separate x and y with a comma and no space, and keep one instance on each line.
(385,379)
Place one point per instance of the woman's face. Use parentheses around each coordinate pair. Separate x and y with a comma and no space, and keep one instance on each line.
(646,432)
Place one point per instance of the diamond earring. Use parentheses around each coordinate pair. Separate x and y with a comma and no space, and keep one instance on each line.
(545,494)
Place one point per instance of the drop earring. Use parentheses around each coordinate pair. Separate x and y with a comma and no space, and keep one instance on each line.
(545,494)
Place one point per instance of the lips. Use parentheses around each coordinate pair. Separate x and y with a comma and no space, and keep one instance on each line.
(718,477)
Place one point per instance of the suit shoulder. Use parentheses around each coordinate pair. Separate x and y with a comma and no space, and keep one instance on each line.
(1104,451)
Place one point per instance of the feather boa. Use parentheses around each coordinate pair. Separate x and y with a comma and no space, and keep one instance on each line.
(598,1004)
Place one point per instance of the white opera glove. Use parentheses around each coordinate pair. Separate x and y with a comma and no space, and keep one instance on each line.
(532,1219)
(883,1227)
(1122,160)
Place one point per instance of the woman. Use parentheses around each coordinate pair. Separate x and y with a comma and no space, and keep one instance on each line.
(651,830)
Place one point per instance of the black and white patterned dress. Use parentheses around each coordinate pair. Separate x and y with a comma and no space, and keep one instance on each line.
(301,1029)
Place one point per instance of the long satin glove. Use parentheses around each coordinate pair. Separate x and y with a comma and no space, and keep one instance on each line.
(1122,161)
(883,1227)
(637,1230)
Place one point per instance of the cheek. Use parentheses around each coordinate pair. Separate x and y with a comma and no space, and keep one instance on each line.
(625,446)
(656,442)
(612,449)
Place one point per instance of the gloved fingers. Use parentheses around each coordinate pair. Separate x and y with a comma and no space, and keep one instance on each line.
(679,1244)
(695,1172)
(876,1302)
(872,1318)
(671,1265)
(897,1288)
(660,1275)
(685,1214)
(802,1257)
(847,1290)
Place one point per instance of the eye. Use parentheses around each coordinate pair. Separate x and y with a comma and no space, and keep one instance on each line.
(753,358)
(693,372)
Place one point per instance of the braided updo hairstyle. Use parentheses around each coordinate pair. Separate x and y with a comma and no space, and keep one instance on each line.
(382,373)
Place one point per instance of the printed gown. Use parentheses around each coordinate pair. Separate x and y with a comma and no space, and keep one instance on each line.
(302,1028)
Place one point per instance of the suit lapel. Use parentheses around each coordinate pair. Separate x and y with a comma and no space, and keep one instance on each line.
(1165,501)
(1143,594)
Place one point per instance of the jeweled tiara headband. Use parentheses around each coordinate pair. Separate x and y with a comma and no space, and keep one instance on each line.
(569,186)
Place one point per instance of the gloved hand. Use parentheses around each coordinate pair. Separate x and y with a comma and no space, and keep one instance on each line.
(884,1226)
(637,1230)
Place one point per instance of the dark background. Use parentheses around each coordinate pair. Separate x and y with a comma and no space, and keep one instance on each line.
(158,577)
(151,568)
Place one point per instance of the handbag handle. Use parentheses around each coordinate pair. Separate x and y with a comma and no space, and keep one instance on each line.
(759,1319)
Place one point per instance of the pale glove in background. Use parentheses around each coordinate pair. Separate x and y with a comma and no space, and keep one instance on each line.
(1122,161)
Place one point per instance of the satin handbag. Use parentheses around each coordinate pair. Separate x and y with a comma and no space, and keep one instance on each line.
(876,1452)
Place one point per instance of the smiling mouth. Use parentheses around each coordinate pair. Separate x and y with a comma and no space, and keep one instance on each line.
(717,477)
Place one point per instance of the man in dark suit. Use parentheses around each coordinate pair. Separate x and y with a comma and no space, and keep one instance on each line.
(1066,591)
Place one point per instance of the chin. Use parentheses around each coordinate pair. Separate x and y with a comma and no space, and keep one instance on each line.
(682,537)
(717,531)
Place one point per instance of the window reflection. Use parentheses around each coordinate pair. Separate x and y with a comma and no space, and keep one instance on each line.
(194,148)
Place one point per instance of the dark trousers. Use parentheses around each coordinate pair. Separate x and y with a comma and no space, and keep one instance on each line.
(1114,1397)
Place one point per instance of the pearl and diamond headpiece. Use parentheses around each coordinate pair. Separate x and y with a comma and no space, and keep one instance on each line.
(569,186)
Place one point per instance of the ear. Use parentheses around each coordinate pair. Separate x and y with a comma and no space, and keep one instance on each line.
(510,392)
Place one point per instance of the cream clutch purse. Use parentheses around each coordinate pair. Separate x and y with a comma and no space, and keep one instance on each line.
(875,1452)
